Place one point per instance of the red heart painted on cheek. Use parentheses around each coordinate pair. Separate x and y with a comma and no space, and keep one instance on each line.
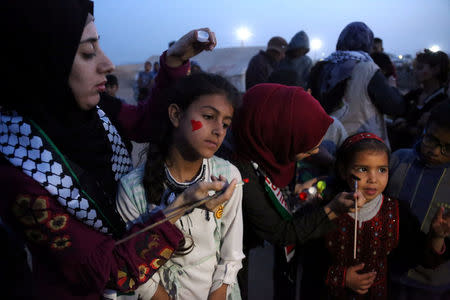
(196,125)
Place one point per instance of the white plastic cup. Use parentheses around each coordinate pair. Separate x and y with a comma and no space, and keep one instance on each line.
(202,36)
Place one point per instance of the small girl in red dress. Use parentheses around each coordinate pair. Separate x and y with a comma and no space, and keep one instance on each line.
(380,224)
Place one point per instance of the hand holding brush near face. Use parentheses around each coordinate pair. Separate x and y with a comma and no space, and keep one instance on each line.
(344,203)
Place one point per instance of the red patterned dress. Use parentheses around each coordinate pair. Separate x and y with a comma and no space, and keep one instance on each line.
(376,238)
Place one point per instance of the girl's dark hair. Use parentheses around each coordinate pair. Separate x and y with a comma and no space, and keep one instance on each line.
(346,154)
(433,59)
(183,93)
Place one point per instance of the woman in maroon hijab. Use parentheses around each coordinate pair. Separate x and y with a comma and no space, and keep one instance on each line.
(275,127)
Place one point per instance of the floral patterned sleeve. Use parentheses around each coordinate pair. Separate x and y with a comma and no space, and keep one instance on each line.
(85,258)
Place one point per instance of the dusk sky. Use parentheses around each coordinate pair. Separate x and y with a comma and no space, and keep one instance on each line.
(133,30)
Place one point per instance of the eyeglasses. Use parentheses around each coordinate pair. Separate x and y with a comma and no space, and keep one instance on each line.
(432,142)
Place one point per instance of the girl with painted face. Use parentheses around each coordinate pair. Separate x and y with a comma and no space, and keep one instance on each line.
(198,115)
(61,156)
(386,229)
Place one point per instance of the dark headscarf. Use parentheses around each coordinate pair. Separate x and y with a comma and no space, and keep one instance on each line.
(41,39)
(274,124)
(356,36)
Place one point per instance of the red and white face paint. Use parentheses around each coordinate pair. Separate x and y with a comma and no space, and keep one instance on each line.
(204,124)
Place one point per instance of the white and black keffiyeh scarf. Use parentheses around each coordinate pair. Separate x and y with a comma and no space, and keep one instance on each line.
(27,147)
(343,56)
(338,67)
(121,160)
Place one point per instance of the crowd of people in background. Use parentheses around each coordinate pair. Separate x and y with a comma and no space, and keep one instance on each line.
(357,86)
(346,175)
(145,80)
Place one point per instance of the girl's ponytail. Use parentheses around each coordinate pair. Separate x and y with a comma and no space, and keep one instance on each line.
(154,172)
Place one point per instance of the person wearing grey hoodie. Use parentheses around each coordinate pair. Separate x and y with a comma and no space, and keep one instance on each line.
(296,58)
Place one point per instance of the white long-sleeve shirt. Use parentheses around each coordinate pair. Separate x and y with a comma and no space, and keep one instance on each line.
(217,253)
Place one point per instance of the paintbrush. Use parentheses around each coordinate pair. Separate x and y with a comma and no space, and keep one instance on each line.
(356,179)
(177,211)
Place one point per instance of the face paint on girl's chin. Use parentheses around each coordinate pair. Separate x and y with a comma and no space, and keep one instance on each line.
(196,125)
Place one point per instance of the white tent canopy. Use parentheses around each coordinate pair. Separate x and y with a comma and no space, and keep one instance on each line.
(231,63)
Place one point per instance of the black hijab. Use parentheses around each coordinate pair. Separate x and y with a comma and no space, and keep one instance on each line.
(41,39)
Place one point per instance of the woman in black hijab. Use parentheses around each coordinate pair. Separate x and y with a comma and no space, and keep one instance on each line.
(61,155)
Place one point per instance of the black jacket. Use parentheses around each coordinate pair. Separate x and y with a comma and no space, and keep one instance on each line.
(263,222)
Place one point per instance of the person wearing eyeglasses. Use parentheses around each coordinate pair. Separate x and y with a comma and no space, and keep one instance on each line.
(421,177)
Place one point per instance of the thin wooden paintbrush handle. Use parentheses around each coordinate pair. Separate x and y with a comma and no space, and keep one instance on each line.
(175,212)
(171,213)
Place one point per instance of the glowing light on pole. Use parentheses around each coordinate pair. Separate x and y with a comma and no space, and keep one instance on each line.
(435,48)
(243,34)
(316,44)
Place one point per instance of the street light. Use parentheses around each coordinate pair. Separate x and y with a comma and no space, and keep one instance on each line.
(435,48)
(316,44)
(243,34)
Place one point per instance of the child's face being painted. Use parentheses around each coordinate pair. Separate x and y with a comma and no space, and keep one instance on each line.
(372,168)
(200,129)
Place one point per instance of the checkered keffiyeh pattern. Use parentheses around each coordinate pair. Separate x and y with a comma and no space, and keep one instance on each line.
(342,56)
(23,147)
(120,160)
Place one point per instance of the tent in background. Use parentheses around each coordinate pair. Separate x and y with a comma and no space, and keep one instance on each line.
(231,63)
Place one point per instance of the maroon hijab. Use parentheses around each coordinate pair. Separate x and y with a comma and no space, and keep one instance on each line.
(276,122)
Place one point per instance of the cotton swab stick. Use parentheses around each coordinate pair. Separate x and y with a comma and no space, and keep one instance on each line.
(175,212)
(356,179)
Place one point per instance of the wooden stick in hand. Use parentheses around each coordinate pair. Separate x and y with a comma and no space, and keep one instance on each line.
(356,217)
(175,212)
